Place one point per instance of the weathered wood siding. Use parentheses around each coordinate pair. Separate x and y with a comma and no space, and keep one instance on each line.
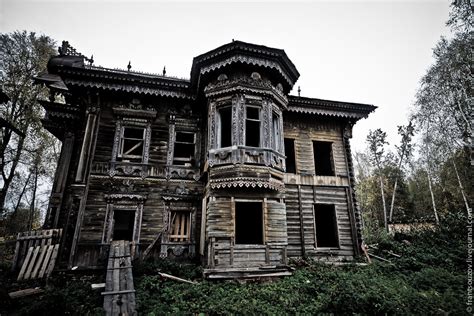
(309,196)
(160,193)
(304,132)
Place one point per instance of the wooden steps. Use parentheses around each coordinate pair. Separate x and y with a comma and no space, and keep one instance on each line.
(119,295)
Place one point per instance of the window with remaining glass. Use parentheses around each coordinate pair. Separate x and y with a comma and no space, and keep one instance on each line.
(184,148)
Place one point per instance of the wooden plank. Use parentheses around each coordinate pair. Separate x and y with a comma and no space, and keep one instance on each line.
(39,262)
(49,251)
(17,252)
(26,292)
(52,261)
(31,265)
(25,264)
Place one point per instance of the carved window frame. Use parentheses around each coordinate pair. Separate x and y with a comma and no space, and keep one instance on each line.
(277,131)
(219,126)
(184,208)
(180,125)
(132,123)
(126,202)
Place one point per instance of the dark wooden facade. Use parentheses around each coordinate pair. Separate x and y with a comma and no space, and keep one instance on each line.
(200,164)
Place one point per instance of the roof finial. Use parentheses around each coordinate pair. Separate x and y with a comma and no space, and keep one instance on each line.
(129,66)
(299,91)
(164,71)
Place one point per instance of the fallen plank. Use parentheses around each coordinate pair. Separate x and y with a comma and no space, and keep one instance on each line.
(172,277)
(26,292)
(97,286)
(378,257)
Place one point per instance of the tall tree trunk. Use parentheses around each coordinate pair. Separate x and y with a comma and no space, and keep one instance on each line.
(7,178)
(32,205)
(22,193)
(384,205)
(432,196)
(461,188)
(393,199)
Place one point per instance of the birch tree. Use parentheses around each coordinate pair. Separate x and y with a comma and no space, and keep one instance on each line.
(376,139)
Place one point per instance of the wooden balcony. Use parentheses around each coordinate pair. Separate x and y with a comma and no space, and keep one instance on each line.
(246,155)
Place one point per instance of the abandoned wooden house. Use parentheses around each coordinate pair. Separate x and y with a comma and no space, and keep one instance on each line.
(226,166)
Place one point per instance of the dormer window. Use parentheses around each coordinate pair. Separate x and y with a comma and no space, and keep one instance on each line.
(252,127)
(224,127)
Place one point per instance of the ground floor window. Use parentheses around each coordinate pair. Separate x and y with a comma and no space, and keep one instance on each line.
(180,226)
(326,226)
(248,223)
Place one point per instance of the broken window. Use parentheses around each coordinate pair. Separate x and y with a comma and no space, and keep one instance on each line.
(131,143)
(252,127)
(248,223)
(225,127)
(323,161)
(290,155)
(180,226)
(184,148)
(124,221)
(276,132)
(326,226)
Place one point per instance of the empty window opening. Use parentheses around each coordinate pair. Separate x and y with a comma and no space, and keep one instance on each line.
(276,132)
(252,127)
(180,226)
(225,127)
(248,223)
(184,147)
(323,161)
(290,155)
(131,143)
(326,226)
(124,221)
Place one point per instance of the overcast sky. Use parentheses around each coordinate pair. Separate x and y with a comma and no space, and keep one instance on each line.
(371,52)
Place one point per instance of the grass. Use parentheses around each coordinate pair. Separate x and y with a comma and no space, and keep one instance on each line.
(428,279)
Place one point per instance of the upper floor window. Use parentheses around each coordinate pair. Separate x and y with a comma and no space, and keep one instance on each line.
(132,140)
(184,148)
(276,129)
(224,127)
(323,158)
(252,127)
(290,155)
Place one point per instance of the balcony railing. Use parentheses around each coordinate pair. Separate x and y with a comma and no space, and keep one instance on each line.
(246,155)
(145,170)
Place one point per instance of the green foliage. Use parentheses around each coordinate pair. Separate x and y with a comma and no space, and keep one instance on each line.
(428,278)
(65,294)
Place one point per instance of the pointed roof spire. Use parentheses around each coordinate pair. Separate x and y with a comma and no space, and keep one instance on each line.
(129,66)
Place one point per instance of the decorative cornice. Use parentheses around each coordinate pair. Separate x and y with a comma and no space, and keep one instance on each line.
(329,108)
(125,196)
(245,85)
(245,182)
